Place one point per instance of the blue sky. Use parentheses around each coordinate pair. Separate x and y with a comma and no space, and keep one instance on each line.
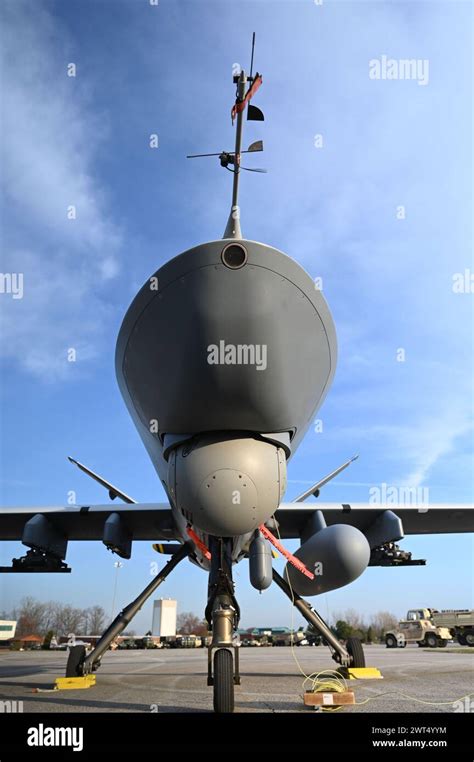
(84,141)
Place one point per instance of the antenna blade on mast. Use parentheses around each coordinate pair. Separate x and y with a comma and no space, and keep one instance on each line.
(254,114)
(198,155)
(251,59)
(257,146)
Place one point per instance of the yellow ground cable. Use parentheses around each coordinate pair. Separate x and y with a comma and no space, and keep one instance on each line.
(413,698)
(333,682)
(292,645)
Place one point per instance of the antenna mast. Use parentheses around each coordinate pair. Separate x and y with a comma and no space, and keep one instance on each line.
(233,223)
(242,102)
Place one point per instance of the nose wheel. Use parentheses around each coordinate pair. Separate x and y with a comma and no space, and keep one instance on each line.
(222,614)
(223,681)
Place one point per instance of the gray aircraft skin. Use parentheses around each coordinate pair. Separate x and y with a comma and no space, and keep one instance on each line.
(236,414)
(223,359)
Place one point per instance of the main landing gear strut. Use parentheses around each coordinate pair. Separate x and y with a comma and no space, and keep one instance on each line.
(352,656)
(78,663)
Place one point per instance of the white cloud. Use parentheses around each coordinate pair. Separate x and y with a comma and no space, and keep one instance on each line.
(430,442)
(413,447)
(51,138)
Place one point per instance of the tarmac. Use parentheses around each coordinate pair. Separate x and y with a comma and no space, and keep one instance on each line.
(174,680)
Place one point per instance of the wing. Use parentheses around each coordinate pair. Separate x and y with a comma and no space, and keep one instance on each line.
(376,520)
(47,530)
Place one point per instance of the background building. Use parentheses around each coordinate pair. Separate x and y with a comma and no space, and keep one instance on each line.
(7,629)
(164,618)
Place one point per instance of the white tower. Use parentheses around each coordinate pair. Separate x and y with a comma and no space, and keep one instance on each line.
(164,618)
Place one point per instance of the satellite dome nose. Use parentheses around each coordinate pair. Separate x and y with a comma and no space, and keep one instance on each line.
(227,484)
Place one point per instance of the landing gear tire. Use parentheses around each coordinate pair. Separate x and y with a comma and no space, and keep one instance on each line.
(356,652)
(469,638)
(223,681)
(390,641)
(76,657)
(431,640)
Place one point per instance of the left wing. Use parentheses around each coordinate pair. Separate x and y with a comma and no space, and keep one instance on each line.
(47,530)
(376,520)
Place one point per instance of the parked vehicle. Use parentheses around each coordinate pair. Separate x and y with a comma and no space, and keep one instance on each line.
(460,622)
(127,644)
(421,626)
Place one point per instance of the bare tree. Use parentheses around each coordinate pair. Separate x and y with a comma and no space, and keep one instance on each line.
(352,618)
(383,621)
(49,617)
(94,620)
(67,619)
(355,619)
(30,617)
(190,624)
(36,618)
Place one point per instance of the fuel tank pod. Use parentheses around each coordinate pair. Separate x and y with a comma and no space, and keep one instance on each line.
(336,555)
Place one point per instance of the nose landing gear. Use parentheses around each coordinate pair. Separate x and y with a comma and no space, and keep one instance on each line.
(222,614)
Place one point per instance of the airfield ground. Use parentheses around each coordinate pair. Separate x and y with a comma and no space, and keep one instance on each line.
(175,680)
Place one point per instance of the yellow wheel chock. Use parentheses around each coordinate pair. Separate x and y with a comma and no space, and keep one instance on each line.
(360,673)
(74,683)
